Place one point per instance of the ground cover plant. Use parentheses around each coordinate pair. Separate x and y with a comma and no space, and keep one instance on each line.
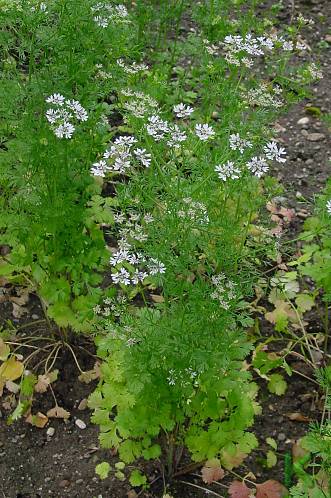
(136,202)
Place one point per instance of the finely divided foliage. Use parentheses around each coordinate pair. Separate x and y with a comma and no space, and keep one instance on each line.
(113,165)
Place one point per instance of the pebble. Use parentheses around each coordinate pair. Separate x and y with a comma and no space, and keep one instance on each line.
(310,161)
(281,436)
(50,432)
(34,316)
(80,424)
(64,483)
(315,137)
(303,121)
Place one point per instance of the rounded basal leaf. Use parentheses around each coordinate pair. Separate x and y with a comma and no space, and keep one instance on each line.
(239,489)
(212,471)
(270,489)
(277,384)
(137,478)
(102,470)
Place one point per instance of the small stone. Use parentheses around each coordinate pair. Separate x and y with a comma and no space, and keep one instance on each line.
(83,404)
(315,137)
(328,38)
(303,121)
(281,436)
(50,432)
(64,483)
(310,161)
(80,424)
(34,316)
(79,481)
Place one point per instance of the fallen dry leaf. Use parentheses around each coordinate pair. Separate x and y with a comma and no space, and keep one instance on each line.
(90,375)
(39,420)
(45,380)
(298,417)
(19,311)
(157,298)
(212,471)
(11,369)
(58,412)
(132,494)
(297,451)
(12,387)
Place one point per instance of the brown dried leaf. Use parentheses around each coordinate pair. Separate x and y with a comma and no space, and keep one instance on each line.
(90,375)
(297,417)
(157,298)
(39,420)
(45,380)
(58,412)
(12,387)
(132,494)
(270,489)
(239,489)
(212,471)
(231,460)
(297,451)
(19,311)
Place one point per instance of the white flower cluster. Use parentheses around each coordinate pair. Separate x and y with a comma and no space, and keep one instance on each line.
(182,111)
(264,96)
(42,8)
(224,290)
(111,306)
(62,113)
(194,211)
(120,157)
(328,207)
(101,73)
(211,48)
(105,13)
(238,143)
(139,104)
(228,171)
(204,132)
(256,165)
(133,227)
(143,267)
(160,129)
(185,378)
(132,68)
(238,47)
(315,73)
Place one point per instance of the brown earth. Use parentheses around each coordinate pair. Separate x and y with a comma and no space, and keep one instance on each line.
(35,465)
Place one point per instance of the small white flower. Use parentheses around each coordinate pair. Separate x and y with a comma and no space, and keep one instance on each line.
(274,152)
(238,143)
(328,207)
(56,98)
(288,46)
(52,115)
(258,166)
(156,266)
(65,130)
(228,170)
(182,110)
(204,132)
(148,218)
(121,277)
(143,156)
(127,141)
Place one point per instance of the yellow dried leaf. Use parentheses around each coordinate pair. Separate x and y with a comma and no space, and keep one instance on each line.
(4,350)
(11,369)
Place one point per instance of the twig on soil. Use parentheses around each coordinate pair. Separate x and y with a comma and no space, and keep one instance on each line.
(206,490)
